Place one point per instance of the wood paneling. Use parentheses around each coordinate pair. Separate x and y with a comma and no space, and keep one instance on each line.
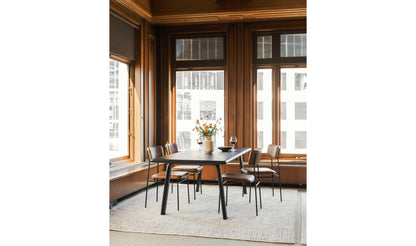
(181,12)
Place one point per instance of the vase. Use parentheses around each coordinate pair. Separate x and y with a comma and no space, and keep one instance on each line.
(208,145)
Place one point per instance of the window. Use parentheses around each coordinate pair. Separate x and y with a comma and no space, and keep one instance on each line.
(281,91)
(204,98)
(264,47)
(199,51)
(293,45)
(118,109)
(293,110)
(211,48)
(279,48)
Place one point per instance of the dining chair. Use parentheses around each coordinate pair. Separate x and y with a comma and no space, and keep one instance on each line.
(178,176)
(273,151)
(193,169)
(249,179)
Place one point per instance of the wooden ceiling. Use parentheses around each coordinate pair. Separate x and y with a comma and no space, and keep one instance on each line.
(179,12)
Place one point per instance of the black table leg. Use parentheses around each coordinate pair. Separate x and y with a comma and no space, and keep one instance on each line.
(221,187)
(166,189)
(242,166)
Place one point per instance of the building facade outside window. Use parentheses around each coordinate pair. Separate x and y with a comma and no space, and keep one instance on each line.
(118,109)
(204,98)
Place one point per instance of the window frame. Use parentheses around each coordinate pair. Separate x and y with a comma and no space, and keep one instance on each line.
(173,98)
(276,63)
(276,59)
(130,117)
(196,64)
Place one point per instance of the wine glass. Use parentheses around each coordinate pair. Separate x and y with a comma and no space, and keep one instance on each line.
(199,142)
(233,141)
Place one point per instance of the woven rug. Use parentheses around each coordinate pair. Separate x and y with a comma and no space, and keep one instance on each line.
(277,222)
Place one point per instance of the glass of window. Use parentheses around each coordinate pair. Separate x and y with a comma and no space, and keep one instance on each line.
(118,105)
(200,95)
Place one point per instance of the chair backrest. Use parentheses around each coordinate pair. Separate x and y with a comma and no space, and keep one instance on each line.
(273,151)
(254,157)
(155,151)
(172,148)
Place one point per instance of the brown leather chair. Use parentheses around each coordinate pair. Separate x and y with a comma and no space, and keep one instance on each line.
(179,176)
(254,159)
(273,151)
(193,169)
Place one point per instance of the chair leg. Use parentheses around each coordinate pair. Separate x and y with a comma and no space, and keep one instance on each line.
(177,191)
(187,184)
(157,190)
(194,185)
(280,184)
(200,182)
(255,196)
(147,185)
(249,195)
(261,207)
(272,186)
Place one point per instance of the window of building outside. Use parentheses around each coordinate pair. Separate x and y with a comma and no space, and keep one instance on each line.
(198,94)
(118,109)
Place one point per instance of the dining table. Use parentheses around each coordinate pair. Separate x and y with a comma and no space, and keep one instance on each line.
(216,158)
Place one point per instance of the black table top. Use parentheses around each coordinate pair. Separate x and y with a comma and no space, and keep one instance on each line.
(199,157)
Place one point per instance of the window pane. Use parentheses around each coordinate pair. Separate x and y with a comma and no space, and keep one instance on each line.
(118,106)
(204,97)
(293,111)
(264,47)
(293,45)
(193,49)
(264,112)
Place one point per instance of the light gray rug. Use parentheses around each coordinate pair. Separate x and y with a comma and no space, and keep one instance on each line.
(277,221)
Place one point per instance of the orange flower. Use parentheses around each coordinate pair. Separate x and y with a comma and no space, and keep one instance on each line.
(206,130)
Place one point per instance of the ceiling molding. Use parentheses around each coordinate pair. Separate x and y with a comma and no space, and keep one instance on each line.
(234,16)
(137,8)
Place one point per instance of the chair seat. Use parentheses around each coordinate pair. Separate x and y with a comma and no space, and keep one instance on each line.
(188,168)
(173,175)
(261,171)
(238,177)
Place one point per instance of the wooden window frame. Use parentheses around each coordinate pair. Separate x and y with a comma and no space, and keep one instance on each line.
(130,157)
(173,98)
(276,63)
(198,63)
(276,59)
